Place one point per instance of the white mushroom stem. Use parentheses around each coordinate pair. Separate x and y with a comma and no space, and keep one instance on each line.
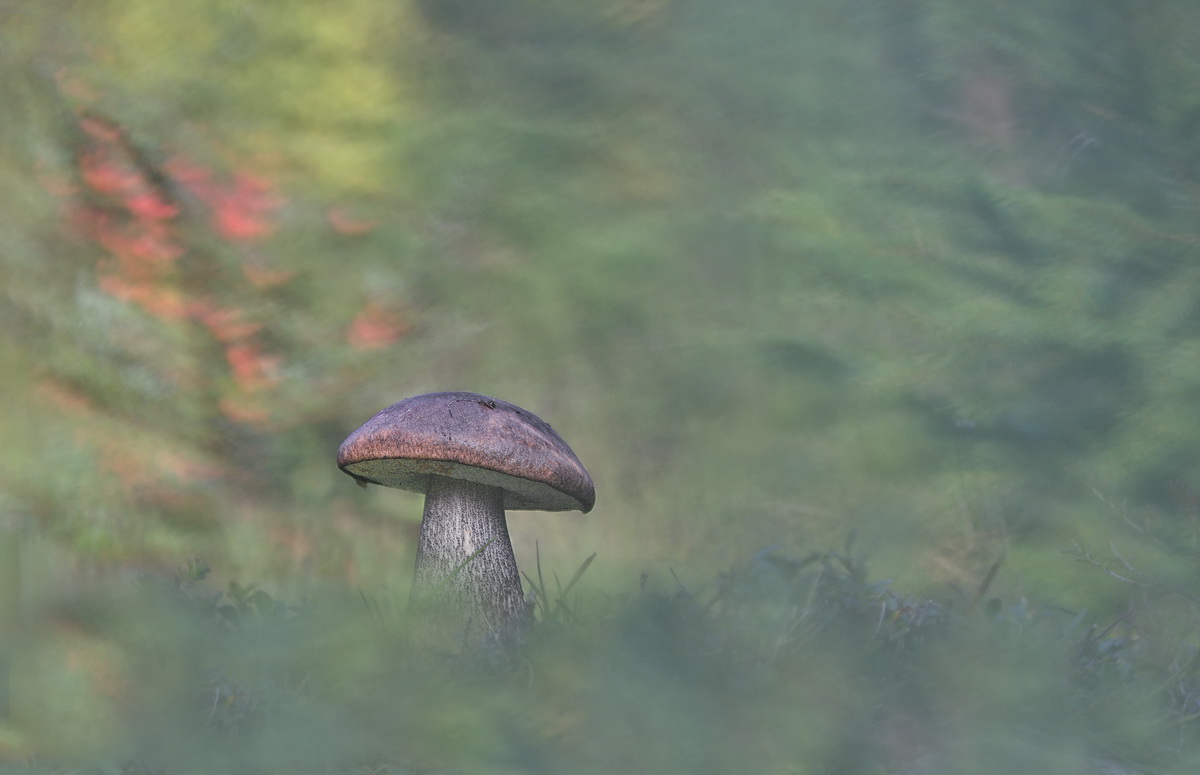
(457,568)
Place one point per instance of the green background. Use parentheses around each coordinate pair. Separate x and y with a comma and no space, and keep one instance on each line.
(920,270)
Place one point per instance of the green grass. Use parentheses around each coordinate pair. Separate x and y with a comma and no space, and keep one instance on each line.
(781,664)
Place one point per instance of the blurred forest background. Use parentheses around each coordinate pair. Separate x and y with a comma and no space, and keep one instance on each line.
(926,270)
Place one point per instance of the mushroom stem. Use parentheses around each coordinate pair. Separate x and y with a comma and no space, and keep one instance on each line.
(457,569)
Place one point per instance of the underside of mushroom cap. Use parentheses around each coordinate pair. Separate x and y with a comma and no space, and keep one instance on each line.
(474,437)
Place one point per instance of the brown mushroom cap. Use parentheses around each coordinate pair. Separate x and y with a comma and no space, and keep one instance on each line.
(473,437)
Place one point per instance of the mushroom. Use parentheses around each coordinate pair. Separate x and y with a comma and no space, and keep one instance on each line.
(472,456)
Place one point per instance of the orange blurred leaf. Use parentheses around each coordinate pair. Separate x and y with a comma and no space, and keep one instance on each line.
(162,302)
(105,175)
(376,326)
(342,221)
(226,323)
(150,205)
(243,211)
(252,369)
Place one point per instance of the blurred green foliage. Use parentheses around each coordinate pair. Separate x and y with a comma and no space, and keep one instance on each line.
(951,267)
(919,268)
(782,664)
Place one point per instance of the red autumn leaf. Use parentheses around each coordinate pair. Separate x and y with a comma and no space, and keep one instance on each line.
(242,213)
(106,176)
(154,245)
(236,223)
(101,129)
(139,252)
(241,210)
(227,324)
(252,369)
(376,326)
(162,302)
(151,206)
